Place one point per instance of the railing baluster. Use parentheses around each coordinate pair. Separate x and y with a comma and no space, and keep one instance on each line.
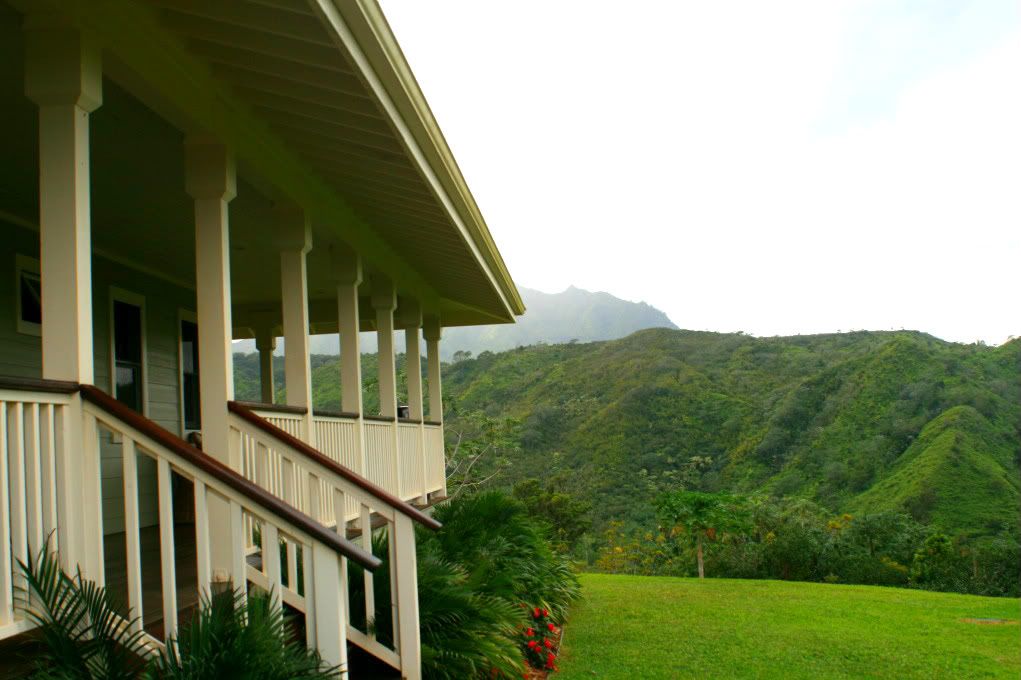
(203,566)
(16,460)
(168,571)
(370,589)
(395,616)
(129,468)
(271,561)
(239,565)
(6,559)
(92,501)
(48,451)
(311,593)
(33,480)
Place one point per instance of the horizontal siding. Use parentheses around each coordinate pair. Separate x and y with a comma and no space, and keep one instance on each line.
(21,355)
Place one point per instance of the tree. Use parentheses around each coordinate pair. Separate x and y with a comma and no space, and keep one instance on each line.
(701,516)
(478,448)
(566,516)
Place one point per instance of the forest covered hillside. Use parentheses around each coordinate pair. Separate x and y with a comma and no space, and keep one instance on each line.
(860,421)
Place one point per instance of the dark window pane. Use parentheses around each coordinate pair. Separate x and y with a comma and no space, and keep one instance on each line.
(127,354)
(127,326)
(129,385)
(31,298)
(190,374)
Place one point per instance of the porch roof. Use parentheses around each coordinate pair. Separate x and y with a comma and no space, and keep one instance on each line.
(321,108)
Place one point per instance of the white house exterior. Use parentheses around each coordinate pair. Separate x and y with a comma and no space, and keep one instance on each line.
(178,174)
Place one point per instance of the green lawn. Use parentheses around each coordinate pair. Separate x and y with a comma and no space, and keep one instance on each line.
(658,627)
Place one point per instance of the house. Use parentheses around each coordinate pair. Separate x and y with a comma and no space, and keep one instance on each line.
(178,174)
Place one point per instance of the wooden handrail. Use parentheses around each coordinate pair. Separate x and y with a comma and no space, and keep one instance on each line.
(229,477)
(433,422)
(312,454)
(380,419)
(324,413)
(409,421)
(274,408)
(10,382)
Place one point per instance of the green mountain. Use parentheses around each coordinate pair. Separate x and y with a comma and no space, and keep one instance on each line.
(852,421)
(572,314)
(855,421)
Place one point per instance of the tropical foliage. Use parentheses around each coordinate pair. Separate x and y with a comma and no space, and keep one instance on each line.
(480,579)
(231,636)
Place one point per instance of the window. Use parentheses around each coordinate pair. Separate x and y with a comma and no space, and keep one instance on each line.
(28,296)
(128,378)
(190,375)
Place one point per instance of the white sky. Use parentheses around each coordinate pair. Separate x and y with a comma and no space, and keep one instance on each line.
(772,167)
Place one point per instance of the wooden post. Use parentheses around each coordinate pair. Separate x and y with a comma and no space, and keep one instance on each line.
(405,593)
(294,239)
(63,75)
(411,318)
(347,271)
(432,332)
(210,181)
(384,300)
(265,342)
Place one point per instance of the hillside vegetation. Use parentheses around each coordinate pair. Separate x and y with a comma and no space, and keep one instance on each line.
(852,421)
(655,627)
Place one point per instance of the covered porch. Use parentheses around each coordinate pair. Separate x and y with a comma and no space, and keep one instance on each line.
(181,175)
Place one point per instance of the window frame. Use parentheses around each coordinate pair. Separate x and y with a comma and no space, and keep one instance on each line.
(185,315)
(136,300)
(23,264)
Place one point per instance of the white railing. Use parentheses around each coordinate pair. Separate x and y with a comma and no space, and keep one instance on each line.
(435,459)
(224,503)
(34,436)
(290,423)
(340,498)
(381,455)
(339,439)
(410,464)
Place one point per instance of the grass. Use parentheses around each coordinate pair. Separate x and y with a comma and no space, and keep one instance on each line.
(659,627)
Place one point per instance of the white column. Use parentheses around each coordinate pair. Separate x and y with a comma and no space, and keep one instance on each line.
(63,75)
(411,318)
(406,596)
(384,300)
(294,238)
(347,273)
(432,332)
(266,342)
(210,180)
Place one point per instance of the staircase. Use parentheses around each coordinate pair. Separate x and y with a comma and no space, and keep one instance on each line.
(277,491)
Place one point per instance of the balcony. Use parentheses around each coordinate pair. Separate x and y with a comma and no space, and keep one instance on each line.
(403,457)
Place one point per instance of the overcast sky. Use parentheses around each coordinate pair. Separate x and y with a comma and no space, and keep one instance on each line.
(772,167)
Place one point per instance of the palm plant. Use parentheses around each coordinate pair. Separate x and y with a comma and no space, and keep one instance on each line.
(84,636)
(82,633)
(234,636)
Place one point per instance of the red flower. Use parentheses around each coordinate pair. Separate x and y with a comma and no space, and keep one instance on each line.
(548,643)
(545,612)
(533,644)
(550,658)
(551,627)
(535,613)
(530,632)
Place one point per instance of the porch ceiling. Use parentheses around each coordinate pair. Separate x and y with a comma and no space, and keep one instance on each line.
(298,67)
